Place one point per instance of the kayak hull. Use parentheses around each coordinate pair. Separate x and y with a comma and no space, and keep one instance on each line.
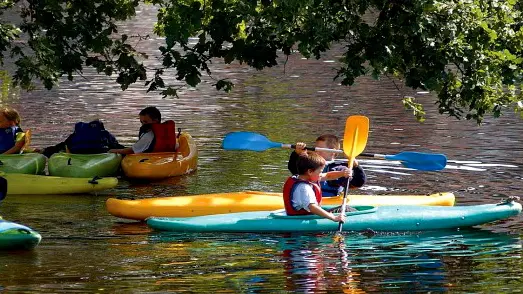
(17,237)
(26,163)
(205,204)
(84,165)
(161,165)
(384,218)
(35,184)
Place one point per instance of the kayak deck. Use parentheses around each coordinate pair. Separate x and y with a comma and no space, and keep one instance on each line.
(217,203)
(38,185)
(385,218)
(14,236)
(84,165)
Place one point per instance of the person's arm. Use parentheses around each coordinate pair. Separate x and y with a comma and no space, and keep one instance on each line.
(140,146)
(358,177)
(16,148)
(333,175)
(291,165)
(128,150)
(316,209)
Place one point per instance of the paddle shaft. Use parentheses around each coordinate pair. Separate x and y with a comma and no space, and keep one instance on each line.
(339,151)
(343,202)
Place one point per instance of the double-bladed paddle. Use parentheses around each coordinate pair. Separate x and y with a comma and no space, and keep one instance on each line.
(257,142)
(354,142)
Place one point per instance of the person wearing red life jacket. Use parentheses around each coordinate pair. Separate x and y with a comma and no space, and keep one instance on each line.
(302,193)
(154,136)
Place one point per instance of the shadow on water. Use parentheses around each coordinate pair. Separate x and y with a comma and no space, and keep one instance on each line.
(413,262)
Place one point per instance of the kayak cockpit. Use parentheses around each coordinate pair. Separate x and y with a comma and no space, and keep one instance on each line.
(281,214)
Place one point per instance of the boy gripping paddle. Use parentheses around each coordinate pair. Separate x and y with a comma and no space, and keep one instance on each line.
(302,193)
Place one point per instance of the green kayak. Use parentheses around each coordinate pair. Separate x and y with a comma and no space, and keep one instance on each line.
(26,163)
(384,218)
(16,237)
(84,165)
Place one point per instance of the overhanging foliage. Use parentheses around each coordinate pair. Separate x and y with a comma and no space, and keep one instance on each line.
(468,52)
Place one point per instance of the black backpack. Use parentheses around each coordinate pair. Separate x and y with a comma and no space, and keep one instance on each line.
(90,138)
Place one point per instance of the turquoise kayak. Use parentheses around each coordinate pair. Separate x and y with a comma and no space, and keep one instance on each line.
(84,165)
(17,237)
(384,218)
(27,163)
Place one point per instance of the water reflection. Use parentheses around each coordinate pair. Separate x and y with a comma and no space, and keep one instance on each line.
(415,262)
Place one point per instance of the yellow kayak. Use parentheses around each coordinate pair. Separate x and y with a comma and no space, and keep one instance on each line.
(35,184)
(187,206)
(161,165)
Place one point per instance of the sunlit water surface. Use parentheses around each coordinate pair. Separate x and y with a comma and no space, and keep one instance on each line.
(84,249)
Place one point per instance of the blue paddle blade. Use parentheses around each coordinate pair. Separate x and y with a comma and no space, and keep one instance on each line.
(248,141)
(420,161)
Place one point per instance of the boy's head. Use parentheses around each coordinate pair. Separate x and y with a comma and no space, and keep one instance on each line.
(310,164)
(150,115)
(328,141)
(9,117)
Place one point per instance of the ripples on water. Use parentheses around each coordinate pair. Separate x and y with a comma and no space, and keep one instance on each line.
(86,250)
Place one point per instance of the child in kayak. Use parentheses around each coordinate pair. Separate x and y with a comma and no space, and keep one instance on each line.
(153,136)
(334,177)
(302,193)
(12,138)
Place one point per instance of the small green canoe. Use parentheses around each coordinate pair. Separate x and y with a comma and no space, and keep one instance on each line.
(84,165)
(26,163)
(17,237)
(384,218)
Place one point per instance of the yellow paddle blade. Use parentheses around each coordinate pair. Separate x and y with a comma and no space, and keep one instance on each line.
(356,134)
(27,141)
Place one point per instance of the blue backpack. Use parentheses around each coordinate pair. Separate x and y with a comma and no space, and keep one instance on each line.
(90,138)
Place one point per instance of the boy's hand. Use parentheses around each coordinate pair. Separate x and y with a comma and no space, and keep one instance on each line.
(300,148)
(339,218)
(347,172)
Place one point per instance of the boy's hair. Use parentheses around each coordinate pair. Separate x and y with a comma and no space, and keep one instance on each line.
(152,112)
(309,160)
(11,114)
(332,141)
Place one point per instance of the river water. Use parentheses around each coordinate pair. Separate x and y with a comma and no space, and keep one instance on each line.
(84,249)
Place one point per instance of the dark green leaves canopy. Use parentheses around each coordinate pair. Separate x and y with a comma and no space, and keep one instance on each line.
(468,52)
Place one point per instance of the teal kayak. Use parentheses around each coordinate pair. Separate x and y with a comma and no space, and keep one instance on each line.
(26,163)
(84,165)
(17,237)
(384,218)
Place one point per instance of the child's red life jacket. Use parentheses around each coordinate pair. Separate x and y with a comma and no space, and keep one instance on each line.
(288,189)
(164,136)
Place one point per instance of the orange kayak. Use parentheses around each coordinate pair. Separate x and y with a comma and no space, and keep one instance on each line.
(161,165)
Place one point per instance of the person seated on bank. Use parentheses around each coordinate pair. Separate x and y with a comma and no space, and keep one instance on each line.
(87,138)
(12,137)
(335,175)
(154,136)
(302,193)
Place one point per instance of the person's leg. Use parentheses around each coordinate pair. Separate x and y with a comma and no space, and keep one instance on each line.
(48,151)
